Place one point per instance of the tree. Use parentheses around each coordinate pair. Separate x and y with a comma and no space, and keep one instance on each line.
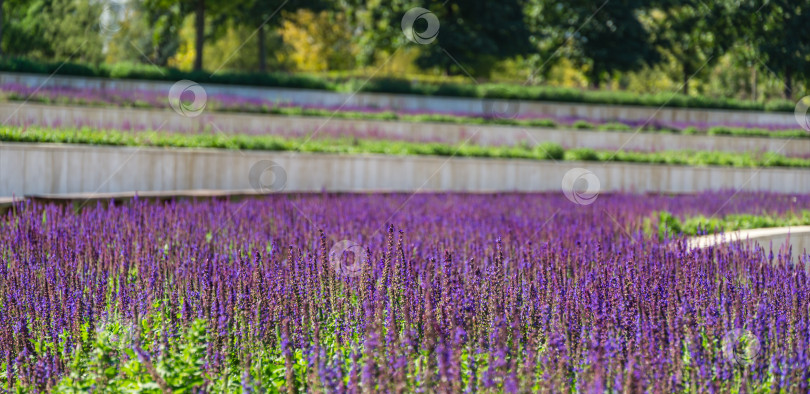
(13,5)
(2,15)
(377,25)
(607,37)
(546,35)
(264,15)
(199,25)
(780,34)
(221,9)
(693,34)
(473,35)
(320,41)
(164,18)
(54,30)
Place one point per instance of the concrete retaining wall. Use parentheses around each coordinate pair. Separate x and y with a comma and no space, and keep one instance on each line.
(62,169)
(780,239)
(168,120)
(425,103)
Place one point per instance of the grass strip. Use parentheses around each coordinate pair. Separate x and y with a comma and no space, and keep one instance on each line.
(543,151)
(702,225)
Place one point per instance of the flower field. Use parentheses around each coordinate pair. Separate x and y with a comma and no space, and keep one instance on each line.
(396,293)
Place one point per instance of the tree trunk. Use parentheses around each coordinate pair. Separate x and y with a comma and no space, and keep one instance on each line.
(595,80)
(754,83)
(685,87)
(788,83)
(1,27)
(262,50)
(200,26)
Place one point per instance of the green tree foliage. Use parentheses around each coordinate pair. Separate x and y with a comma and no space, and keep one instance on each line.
(549,41)
(474,35)
(377,26)
(694,34)
(608,37)
(780,35)
(593,40)
(58,29)
(265,15)
(171,13)
(164,19)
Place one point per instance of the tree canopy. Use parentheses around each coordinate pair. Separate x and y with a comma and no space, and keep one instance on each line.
(604,42)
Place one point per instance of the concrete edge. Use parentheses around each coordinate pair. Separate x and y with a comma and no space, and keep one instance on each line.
(372,156)
(748,235)
(47,169)
(781,240)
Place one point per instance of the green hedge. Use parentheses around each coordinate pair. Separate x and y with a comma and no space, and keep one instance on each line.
(545,151)
(393,85)
(700,224)
(149,72)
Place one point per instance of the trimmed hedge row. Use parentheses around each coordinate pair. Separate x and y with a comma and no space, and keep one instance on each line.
(545,151)
(393,85)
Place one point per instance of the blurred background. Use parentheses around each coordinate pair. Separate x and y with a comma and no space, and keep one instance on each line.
(724,53)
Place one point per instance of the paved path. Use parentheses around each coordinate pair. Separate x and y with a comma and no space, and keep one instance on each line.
(796,236)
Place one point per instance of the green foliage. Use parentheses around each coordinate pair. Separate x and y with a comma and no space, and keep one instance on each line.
(551,151)
(719,130)
(114,360)
(541,123)
(351,145)
(23,65)
(745,132)
(614,126)
(700,224)
(695,36)
(581,124)
(133,71)
(509,40)
(58,29)
(668,225)
(117,358)
(777,30)
(780,105)
(607,37)
(475,34)
(583,154)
